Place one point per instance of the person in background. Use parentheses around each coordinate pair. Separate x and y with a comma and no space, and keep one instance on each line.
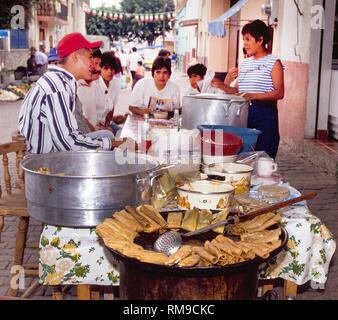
(164,53)
(261,80)
(85,112)
(174,60)
(53,57)
(107,95)
(139,73)
(197,74)
(32,68)
(46,117)
(132,61)
(155,94)
(41,60)
(123,58)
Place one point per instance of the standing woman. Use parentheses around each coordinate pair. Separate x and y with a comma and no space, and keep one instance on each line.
(261,80)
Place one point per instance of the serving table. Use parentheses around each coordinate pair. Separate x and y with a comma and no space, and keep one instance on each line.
(81,258)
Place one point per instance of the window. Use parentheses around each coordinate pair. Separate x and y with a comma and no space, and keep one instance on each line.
(19,39)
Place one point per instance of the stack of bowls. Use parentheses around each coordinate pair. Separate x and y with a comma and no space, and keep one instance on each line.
(219,146)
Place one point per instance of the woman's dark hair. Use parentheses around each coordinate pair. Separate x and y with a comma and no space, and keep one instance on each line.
(199,69)
(159,63)
(107,59)
(258,29)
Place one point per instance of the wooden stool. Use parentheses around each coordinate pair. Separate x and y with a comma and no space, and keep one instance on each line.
(290,288)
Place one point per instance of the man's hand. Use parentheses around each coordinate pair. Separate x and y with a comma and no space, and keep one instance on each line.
(125,144)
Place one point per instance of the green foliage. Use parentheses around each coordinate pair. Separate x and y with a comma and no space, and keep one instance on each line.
(128,27)
(6,15)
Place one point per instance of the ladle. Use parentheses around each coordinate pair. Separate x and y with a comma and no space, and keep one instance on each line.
(171,241)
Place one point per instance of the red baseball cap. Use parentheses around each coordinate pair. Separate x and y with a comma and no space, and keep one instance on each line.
(73,42)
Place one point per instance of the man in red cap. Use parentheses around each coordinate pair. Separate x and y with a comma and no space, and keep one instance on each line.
(47,116)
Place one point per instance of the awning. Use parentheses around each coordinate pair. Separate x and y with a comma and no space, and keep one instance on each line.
(216,27)
(3,33)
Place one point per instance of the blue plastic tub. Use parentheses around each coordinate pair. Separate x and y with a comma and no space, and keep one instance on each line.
(249,136)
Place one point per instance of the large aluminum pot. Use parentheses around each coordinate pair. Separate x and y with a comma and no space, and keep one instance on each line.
(94,185)
(229,110)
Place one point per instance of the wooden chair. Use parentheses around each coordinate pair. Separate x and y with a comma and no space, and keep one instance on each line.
(13,203)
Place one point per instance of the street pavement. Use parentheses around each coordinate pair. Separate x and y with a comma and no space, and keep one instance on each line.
(294,168)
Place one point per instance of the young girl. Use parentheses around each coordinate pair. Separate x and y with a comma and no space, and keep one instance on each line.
(261,79)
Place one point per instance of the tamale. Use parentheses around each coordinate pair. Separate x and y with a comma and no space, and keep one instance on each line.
(189,222)
(220,216)
(204,218)
(189,261)
(174,220)
(153,214)
(180,254)
(204,254)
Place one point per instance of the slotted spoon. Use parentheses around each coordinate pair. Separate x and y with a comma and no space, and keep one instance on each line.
(169,242)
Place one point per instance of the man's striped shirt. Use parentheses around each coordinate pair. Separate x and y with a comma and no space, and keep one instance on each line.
(255,74)
(47,119)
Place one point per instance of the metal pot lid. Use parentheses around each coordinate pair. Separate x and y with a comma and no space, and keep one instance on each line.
(211,96)
(89,164)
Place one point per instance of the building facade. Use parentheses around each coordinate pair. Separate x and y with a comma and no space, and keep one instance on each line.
(303,37)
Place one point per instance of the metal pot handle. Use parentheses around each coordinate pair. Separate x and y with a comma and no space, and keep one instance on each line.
(239,107)
(153,175)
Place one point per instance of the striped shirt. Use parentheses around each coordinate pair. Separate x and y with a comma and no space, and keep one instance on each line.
(255,74)
(47,116)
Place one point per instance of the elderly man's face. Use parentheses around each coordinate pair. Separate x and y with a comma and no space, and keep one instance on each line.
(84,64)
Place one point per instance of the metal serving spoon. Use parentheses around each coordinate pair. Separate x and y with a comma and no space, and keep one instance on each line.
(171,241)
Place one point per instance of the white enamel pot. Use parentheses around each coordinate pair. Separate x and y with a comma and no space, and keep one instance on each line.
(204,194)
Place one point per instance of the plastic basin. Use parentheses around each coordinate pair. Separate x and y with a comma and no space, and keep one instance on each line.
(249,136)
(218,143)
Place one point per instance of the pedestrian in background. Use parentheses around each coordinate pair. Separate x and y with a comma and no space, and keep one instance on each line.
(132,61)
(41,60)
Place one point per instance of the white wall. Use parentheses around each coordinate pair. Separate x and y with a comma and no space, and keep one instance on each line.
(295,31)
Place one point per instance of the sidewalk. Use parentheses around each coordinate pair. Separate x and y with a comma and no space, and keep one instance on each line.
(296,169)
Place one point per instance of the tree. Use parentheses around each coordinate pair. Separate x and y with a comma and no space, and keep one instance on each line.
(6,15)
(128,27)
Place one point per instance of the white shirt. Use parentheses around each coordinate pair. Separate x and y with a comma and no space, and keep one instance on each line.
(133,59)
(106,98)
(123,58)
(40,58)
(87,96)
(145,94)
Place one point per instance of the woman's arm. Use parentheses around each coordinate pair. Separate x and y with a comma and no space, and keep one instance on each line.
(277,75)
(221,85)
(139,111)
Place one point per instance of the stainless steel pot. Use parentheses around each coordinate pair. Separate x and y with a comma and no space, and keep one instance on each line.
(228,110)
(95,184)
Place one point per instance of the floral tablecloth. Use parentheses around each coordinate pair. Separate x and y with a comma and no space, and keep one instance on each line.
(78,256)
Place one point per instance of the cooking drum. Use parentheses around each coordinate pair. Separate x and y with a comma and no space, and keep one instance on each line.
(94,185)
(141,281)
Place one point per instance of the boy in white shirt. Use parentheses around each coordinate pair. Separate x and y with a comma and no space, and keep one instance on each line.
(158,93)
(107,95)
